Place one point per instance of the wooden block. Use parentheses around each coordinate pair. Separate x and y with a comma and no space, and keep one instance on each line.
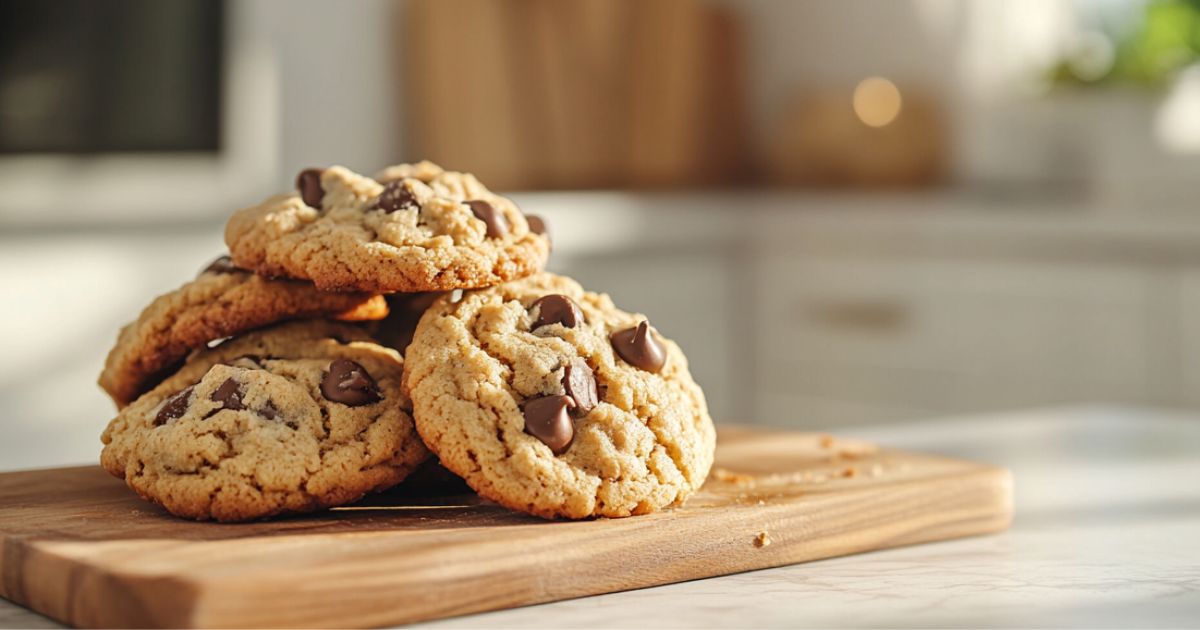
(667,90)
(76,545)
(723,131)
(580,61)
(460,89)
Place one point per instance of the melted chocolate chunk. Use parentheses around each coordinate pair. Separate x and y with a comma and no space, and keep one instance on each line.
(175,406)
(639,348)
(580,384)
(350,384)
(548,420)
(537,224)
(396,196)
(223,264)
(497,225)
(556,309)
(269,411)
(229,394)
(308,182)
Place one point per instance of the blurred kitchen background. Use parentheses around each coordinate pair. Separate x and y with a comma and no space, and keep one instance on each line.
(846,212)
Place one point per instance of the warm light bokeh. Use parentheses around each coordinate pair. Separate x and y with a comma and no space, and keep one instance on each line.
(877,101)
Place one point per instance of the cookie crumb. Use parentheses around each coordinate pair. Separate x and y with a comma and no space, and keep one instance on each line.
(826,441)
(724,474)
(850,472)
(762,539)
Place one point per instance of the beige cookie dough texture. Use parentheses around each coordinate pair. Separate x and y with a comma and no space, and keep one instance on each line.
(233,465)
(215,306)
(648,445)
(345,246)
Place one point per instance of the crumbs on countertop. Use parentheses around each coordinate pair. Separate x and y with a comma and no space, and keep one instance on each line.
(724,474)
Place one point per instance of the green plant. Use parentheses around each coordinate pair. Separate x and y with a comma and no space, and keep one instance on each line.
(1166,40)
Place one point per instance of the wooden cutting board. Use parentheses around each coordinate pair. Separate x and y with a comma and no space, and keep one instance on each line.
(79,547)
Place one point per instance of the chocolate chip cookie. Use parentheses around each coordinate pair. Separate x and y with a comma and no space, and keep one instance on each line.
(415,228)
(548,399)
(295,418)
(221,302)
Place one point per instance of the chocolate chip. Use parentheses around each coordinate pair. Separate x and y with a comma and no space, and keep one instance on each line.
(348,383)
(537,224)
(556,309)
(638,347)
(396,196)
(308,182)
(580,384)
(229,394)
(175,406)
(271,412)
(497,225)
(224,264)
(547,419)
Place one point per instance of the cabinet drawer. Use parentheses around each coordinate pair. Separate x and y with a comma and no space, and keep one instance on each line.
(812,394)
(817,413)
(1188,350)
(1025,330)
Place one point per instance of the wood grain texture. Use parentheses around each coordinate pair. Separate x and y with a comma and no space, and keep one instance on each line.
(532,94)
(79,547)
(667,108)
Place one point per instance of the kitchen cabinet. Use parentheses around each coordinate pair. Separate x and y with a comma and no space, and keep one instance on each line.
(914,337)
(1185,354)
(824,310)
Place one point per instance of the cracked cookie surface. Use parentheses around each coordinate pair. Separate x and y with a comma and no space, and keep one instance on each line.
(415,228)
(300,417)
(482,372)
(221,302)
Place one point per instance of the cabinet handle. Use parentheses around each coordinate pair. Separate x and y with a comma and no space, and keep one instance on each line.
(859,315)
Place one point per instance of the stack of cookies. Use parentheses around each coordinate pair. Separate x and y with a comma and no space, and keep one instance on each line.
(362,328)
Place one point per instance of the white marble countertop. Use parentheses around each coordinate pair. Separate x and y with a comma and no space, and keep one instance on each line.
(1107,534)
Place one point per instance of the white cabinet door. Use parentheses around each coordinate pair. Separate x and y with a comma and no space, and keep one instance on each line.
(922,336)
(1187,356)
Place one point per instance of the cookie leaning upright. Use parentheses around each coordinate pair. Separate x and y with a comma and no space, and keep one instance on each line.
(550,400)
(418,228)
(222,301)
(299,417)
